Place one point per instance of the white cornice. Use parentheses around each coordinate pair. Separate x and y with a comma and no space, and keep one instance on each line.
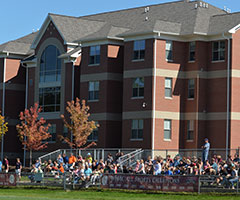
(234,29)
(101,42)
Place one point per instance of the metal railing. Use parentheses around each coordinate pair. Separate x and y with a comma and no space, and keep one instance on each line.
(96,154)
(130,158)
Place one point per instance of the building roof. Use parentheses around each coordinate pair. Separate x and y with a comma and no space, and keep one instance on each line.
(223,23)
(19,46)
(163,17)
(178,18)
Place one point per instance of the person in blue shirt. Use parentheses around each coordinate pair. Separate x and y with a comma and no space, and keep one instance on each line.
(205,151)
(0,166)
(87,172)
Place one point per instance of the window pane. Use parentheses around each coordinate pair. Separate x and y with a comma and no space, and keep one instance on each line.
(94,55)
(135,92)
(167,134)
(50,65)
(168,45)
(168,82)
(215,46)
(91,86)
(168,92)
(215,56)
(139,49)
(192,56)
(167,125)
(168,55)
(140,134)
(222,55)
(192,46)
(96,85)
(141,92)
(91,95)
(140,124)
(134,124)
(142,54)
(134,134)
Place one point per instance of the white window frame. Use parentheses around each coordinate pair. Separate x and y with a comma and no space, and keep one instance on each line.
(169,50)
(139,46)
(219,50)
(190,130)
(94,89)
(168,87)
(192,50)
(167,129)
(138,128)
(191,87)
(138,87)
(95,52)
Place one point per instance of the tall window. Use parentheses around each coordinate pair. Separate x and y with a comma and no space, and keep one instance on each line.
(137,129)
(94,55)
(52,131)
(192,48)
(190,129)
(138,87)
(50,65)
(167,129)
(93,90)
(168,87)
(94,135)
(139,50)
(49,99)
(218,51)
(191,88)
(169,47)
(50,80)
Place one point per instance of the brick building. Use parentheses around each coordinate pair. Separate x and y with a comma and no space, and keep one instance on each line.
(157,77)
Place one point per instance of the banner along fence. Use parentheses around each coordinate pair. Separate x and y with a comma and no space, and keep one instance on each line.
(7,179)
(150,182)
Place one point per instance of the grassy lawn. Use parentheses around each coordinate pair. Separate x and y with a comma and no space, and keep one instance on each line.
(41,194)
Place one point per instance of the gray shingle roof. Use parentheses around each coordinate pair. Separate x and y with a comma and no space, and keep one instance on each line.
(73,28)
(20,46)
(180,17)
(162,17)
(107,31)
(223,23)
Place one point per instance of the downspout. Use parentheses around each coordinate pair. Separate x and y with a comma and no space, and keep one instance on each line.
(154,96)
(3,99)
(228,95)
(26,104)
(72,94)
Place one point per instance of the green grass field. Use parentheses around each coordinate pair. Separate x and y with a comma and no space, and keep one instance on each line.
(42,194)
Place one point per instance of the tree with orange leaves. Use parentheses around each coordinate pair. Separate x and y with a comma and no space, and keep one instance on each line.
(80,126)
(32,130)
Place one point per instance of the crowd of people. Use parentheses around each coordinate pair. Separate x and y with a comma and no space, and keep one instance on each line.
(86,169)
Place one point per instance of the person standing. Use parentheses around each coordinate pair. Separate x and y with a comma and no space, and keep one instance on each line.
(18,168)
(6,164)
(205,151)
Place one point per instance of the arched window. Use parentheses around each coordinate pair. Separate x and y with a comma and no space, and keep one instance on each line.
(50,65)
(50,80)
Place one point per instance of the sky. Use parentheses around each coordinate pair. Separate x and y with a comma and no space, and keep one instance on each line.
(21,17)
